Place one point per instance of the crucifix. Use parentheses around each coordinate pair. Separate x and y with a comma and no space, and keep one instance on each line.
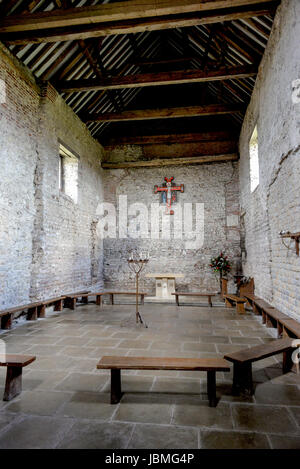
(168,193)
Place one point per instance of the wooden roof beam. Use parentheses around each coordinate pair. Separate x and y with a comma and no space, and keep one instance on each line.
(157,79)
(172,161)
(168,113)
(171,138)
(120,11)
(65,25)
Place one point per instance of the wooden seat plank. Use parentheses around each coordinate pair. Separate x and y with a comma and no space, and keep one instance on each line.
(116,364)
(162,363)
(16,309)
(16,360)
(291,325)
(259,352)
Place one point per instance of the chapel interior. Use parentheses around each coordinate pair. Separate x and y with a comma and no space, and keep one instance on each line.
(149,224)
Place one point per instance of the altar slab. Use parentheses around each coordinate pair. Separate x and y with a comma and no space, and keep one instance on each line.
(164,285)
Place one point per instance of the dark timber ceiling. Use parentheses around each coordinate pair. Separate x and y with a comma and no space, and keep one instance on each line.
(146,71)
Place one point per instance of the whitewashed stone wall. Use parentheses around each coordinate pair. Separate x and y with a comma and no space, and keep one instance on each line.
(48,244)
(274,205)
(215,186)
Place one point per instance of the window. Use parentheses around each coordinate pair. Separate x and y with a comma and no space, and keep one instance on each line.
(254,162)
(68,173)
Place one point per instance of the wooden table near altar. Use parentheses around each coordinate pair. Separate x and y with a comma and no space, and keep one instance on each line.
(165,285)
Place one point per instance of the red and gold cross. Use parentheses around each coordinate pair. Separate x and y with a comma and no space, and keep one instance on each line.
(169,193)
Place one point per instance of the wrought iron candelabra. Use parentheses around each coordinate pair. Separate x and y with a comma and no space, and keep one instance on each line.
(137,263)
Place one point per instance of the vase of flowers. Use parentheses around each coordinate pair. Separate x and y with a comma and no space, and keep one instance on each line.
(221,266)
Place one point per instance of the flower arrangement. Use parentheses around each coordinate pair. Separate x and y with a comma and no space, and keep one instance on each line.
(220,264)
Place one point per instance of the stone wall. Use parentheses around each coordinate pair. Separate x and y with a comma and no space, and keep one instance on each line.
(214,185)
(48,244)
(274,205)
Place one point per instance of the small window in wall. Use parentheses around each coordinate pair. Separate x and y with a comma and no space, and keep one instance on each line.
(68,173)
(254,162)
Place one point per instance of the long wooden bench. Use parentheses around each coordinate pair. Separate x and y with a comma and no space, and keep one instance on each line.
(231,300)
(130,293)
(7,315)
(116,364)
(15,365)
(177,294)
(71,300)
(57,302)
(243,359)
(272,317)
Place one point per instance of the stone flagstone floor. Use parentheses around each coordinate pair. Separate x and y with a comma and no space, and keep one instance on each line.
(65,399)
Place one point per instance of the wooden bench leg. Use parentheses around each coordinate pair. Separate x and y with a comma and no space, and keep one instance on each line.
(67,302)
(279,330)
(115,390)
(209,301)
(242,379)
(13,384)
(58,305)
(269,322)
(255,310)
(240,308)
(142,299)
(41,311)
(287,362)
(112,299)
(6,321)
(211,388)
(177,300)
(264,317)
(228,303)
(32,314)
(85,299)
(98,300)
(285,332)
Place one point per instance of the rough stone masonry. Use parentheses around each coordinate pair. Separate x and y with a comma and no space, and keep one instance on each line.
(48,243)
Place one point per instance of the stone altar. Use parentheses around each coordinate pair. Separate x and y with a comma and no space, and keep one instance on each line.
(164,285)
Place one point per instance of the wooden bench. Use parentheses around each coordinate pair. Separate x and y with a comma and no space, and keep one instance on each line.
(272,317)
(231,300)
(208,295)
(130,293)
(116,364)
(57,302)
(250,297)
(7,315)
(71,300)
(15,365)
(243,359)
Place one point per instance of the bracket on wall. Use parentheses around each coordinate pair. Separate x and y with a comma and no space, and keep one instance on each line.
(295,236)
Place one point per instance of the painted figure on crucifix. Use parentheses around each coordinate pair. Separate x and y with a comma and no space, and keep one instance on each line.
(169,193)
